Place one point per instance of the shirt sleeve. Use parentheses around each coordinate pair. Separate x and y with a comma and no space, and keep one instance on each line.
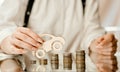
(10,19)
(11,16)
(92,27)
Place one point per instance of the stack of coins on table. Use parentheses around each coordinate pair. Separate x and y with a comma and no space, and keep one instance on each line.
(67,61)
(33,62)
(54,61)
(42,67)
(43,61)
(32,66)
(80,61)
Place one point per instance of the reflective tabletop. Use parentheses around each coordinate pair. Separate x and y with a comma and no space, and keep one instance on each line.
(97,63)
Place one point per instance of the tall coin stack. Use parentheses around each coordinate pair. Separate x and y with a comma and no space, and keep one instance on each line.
(67,61)
(80,61)
(54,61)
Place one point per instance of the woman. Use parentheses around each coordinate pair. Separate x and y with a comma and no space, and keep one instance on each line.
(62,18)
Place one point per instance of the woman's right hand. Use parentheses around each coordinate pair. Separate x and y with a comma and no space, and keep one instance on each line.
(20,41)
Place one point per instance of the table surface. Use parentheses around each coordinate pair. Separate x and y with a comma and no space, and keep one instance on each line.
(114,67)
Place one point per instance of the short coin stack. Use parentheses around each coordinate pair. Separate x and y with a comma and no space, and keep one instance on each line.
(42,67)
(80,61)
(43,61)
(32,66)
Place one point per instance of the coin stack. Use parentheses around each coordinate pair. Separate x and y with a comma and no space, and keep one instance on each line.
(54,61)
(43,61)
(33,62)
(80,61)
(43,65)
(67,61)
(32,66)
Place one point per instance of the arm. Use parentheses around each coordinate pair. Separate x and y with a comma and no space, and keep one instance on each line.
(9,20)
(15,39)
(10,14)
(97,44)
(92,28)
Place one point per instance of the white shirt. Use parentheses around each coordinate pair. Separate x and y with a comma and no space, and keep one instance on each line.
(110,17)
(57,17)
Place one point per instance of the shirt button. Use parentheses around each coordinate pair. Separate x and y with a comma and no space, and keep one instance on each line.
(28,13)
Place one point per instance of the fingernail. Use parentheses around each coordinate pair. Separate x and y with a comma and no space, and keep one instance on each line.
(39,40)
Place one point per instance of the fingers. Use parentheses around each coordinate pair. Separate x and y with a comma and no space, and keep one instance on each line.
(9,48)
(101,52)
(26,39)
(114,42)
(100,39)
(14,50)
(106,45)
(102,67)
(104,63)
(21,44)
(107,65)
(21,41)
(106,59)
(30,33)
(106,50)
(107,39)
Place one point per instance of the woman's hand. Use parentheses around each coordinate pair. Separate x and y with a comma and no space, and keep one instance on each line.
(102,52)
(104,63)
(105,45)
(20,41)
